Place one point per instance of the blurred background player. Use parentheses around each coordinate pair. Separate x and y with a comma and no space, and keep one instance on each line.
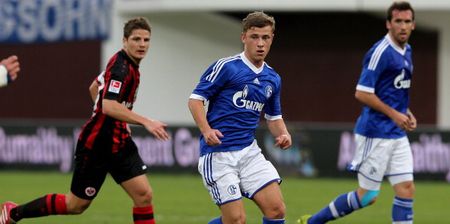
(383,148)
(238,89)
(9,70)
(105,145)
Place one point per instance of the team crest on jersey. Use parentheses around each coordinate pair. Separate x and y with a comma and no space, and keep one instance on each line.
(114,86)
(268,91)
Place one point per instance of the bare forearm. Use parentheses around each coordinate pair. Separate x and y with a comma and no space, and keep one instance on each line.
(199,114)
(372,101)
(277,127)
(118,111)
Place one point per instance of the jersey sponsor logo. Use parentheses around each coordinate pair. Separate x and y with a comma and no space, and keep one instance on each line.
(240,101)
(90,191)
(114,86)
(400,83)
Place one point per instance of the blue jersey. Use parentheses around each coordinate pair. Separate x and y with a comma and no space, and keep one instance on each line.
(237,92)
(386,72)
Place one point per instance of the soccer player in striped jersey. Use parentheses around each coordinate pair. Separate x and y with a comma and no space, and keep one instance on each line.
(9,69)
(238,89)
(104,145)
(383,149)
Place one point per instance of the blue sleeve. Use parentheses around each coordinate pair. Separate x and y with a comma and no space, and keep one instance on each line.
(212,81)
(273,108)
(374,66)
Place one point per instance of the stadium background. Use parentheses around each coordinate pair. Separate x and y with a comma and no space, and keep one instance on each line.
(318,50)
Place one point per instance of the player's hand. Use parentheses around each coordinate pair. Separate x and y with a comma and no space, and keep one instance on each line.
(12,66)
(412,122)
(402,121)
(158,129)
(283,141)
(212,137)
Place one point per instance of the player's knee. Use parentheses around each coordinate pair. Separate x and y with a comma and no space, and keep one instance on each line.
(277,211)
(406,190)
(237,218)
(144,198)
(76,209)
(369,198)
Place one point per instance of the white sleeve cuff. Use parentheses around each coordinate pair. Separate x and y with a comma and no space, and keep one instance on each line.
(272,118)
(365,89)
(197,97)
(3,76)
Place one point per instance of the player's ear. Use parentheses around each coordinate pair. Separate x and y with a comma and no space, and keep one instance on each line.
(243,37)
(388,24)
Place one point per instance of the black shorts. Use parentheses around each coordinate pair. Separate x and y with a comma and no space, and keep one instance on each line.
(92,165)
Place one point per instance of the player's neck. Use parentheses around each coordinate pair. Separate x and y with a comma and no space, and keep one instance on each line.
(398,44)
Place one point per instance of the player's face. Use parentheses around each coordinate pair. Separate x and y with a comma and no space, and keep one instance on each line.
(137,44)
(401,26)
(257,42)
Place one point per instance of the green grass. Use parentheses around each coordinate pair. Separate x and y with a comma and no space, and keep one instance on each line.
(183,199)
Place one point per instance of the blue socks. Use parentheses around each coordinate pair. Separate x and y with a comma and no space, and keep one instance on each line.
(272,221)
(217,220)
(402,210)
(343,205)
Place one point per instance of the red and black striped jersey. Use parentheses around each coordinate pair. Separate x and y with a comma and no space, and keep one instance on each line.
(119,82)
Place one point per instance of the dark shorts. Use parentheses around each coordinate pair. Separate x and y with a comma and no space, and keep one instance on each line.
(92,165)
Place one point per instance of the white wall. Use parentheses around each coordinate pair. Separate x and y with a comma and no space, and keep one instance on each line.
(440,21)
(182,46)
(187,38)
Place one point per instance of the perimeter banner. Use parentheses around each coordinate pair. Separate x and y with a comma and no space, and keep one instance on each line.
(316,152)
(36,21)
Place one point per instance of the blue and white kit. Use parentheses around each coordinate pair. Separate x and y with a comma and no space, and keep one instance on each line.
(237,93)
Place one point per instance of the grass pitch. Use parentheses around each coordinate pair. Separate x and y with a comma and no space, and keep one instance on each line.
(183,199)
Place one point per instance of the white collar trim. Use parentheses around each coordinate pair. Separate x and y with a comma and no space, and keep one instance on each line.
(251,65)
(395,46)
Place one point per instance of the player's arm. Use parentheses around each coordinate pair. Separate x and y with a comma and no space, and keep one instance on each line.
(93,90)
(9,69)
(372,100)
(278,129)
(119,111)
(413,120)
(211,136)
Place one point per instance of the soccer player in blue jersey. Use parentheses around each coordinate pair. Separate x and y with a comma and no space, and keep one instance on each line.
(383,148)
(9,69)
(238,89)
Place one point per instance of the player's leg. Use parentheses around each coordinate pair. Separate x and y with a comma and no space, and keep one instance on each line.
(128,170)
(51,204)
(260,182)
(400,175)
(370,161)
(141,193)
(220,177)
(88,176)
(270,201)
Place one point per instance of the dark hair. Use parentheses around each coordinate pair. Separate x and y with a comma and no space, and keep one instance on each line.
(134,24)
(257,19)
(400,6)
